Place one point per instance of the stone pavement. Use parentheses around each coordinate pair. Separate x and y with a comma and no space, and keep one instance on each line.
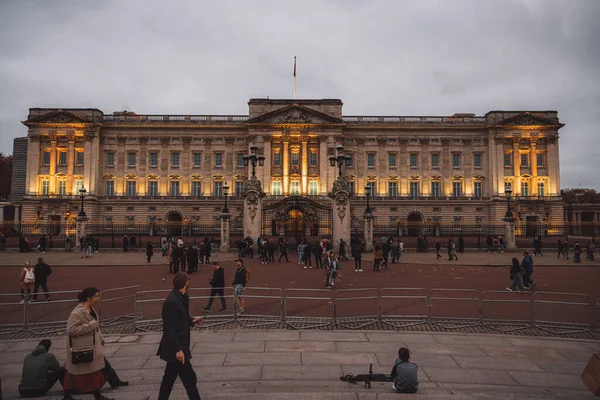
(139,258)
(307,365)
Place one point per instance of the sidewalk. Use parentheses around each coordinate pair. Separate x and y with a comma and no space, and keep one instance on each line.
(60,258)
(296,365)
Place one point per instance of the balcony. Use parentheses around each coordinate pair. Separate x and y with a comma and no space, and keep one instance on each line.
(175,119)
(195,198)
(432,120)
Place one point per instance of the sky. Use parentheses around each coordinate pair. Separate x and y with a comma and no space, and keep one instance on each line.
(420,57)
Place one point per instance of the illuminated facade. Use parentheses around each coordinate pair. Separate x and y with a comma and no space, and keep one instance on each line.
(151,168)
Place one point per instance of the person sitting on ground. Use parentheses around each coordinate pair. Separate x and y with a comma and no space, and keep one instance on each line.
(404,373)
(41,370)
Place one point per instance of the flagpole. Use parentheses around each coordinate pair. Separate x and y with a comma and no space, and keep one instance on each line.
(295,83)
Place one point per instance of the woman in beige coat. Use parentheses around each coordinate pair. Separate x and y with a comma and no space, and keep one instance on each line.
(83,331)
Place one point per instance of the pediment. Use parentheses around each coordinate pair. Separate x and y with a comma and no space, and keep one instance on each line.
(57,117)
(528,119)
(294,114)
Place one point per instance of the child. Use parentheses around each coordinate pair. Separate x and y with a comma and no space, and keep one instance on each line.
(405,373)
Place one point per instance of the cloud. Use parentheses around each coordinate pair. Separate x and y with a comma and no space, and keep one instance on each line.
(379,57)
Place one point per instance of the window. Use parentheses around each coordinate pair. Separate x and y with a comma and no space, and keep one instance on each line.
(239,188)
(436,209)
(372,187)
(130,209)
(457,209)
(153,188)
(525,189)
(524,160)
(197,158)
(79,158)
(196,188)
(435,189)
(131,188)
(174,188)
(175,160)
(541,189)
(78,185)
(313,188)
(507,159)
(131,159)
(110,188)
(218,189)
(457,189)
(46,158)
(276,191)
(414,189)
(539,158)
(478,189)
(351,188)
(62,158)
(507,185)
(351,160)
(392,160)
(393,189)
(277,159)
(371,160)
(62,187)
(455,160)
(45,187)
(313,159)
(295,159)
(413,160)
(110,159)
(435,160)
(295,188)
(413,141)
(240,159)
(218,159)
(477,160)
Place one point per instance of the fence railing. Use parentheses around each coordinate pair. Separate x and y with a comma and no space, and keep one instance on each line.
(554,312)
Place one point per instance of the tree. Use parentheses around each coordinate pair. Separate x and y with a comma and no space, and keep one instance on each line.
(5,175)
(580,195)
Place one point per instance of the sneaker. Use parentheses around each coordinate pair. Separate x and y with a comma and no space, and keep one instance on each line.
(222,310)
(309,267)
(205,309)
(532,285)
(48,299)
(509,289)
(305,267)
(360,270)
(241,311)
(22,302)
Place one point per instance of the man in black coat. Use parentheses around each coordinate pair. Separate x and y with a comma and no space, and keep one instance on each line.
(218,284)
(174,346)
(41,272)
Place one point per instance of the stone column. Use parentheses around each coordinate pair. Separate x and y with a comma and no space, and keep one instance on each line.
(304,164)
(368,233)
(578,222)
(341,212)
(323,164)
(553,164)
(225,218)
(33,163)
(81,229)
(87,161)
(286,164)
(516,167)
(511,243)
(534,166)
(70,163)
(253,209)
(52,171)
(266,170)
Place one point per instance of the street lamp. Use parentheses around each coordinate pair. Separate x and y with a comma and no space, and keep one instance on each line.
(225,210)
(509,216)
(253,159)
(340,159)
(368,211)
(82,193)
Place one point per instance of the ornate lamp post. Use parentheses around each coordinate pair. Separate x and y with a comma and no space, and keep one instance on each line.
(225,210)
(81,217)
(340,159)
(253,159)
(225,221)
(368,235)
(368,211)
(82,193)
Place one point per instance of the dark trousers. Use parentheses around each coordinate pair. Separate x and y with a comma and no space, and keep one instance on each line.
(149,258)
(283,254)
(318,261)
(51,379)
(357,263)
(214,292)
(110,375)
(175,266)
(527,279)
(187,375)
(44,287)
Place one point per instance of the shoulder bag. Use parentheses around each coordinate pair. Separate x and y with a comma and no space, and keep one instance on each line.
(82,355)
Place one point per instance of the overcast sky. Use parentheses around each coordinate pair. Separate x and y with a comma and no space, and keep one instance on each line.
(392,57)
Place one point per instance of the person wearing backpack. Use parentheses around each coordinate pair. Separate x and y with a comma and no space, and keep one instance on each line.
(27,281)
(239,285)
(404,373)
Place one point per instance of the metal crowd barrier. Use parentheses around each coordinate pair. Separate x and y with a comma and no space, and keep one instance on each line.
(44,317)
(436,307)
(521,305)
(262,309)
(570,306)
(350,319)
(148,304)
(308,315)
(408,309)
(14,314)
(596,313)
(119,309)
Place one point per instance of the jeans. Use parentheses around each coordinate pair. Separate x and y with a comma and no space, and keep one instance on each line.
(89,251)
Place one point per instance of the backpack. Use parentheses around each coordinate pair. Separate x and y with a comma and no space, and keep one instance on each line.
(29,276)
(248,275)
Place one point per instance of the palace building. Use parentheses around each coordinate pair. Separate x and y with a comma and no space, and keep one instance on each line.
(140,169)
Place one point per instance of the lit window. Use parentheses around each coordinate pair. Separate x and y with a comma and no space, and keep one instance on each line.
(313,188)
(62,187)
(153,188)
(218,159)
(413,160)
(131,188)
(435,189)
(371,160)
(435,160)
(276,188)
(174,188)
(457,189)
(392,159)
(78,185)
(62,158)
(110,188)
(507,185)
(110,159)
(295,188)
(541,189)
(131,160)
(45,187)
(477,160)
(525,189)
(393,189)
(478,189)
(196,189)
(414,189)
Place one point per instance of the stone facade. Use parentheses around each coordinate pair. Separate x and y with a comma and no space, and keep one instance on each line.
(151,168)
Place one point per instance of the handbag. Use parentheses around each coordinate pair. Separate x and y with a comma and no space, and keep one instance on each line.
(82,355)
